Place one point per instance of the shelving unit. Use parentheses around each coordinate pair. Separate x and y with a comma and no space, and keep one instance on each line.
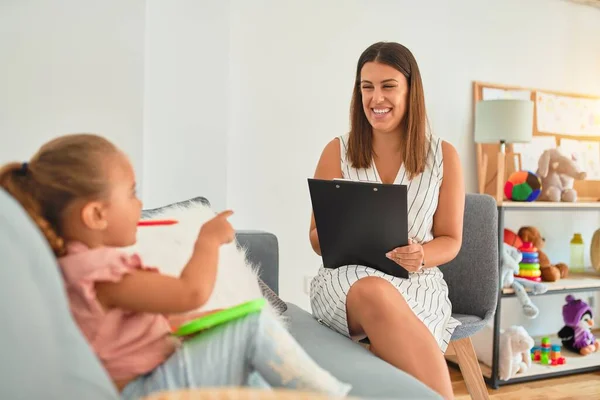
(575,363)
(576,282)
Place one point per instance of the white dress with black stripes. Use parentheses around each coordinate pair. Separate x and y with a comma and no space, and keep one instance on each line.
(426,292)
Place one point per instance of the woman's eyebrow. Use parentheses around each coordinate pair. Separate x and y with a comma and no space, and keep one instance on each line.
(383,81)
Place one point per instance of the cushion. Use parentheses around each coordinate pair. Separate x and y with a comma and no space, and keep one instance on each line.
(169,248)
(271,296)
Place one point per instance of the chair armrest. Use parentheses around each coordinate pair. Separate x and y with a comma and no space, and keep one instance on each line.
(262,249)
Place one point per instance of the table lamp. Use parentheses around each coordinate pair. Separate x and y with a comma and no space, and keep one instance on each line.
(500,122)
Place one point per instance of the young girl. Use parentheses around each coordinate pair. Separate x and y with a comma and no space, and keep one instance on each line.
(80,190)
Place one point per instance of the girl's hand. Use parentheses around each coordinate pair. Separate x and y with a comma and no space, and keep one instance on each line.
(411,257)
(218,230)
(179,319)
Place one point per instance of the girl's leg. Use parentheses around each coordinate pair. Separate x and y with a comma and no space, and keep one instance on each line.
(227,354)
(375,308)
(281,361)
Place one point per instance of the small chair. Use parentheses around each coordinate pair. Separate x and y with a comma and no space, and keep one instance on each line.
(472,279)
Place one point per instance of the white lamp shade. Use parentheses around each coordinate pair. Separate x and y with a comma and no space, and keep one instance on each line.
(505,120)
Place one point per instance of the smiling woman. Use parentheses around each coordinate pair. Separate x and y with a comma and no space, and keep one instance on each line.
(389,142)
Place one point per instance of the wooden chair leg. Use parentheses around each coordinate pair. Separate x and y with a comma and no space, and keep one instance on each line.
(469,367)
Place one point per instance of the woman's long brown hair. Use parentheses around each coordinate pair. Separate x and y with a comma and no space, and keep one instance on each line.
(414,124)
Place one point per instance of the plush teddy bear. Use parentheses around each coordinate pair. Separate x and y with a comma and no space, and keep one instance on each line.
(515,346)
(558,172)
(550,272)
(511,257)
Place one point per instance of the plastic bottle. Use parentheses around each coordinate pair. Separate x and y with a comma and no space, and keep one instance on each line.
(577,251)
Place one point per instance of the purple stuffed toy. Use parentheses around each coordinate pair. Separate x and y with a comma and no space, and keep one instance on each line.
(576,335)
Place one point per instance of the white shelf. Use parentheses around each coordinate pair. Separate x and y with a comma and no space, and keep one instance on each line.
(507,204)
(575,281)
(574,362)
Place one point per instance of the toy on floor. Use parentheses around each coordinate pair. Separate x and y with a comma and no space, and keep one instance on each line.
(514,348)
(523,186)
(558,172)
(549,272)
(511,257)
(577,335)
(529,267)
(547,353)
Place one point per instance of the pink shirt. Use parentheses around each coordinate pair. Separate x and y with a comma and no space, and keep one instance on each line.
(127,343)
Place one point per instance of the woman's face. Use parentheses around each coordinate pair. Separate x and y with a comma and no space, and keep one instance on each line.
(384,96)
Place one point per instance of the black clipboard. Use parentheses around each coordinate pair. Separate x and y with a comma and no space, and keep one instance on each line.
(359,222)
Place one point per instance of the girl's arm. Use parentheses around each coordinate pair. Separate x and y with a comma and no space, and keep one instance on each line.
(145,291)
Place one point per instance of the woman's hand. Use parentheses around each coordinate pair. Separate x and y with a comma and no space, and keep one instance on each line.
(411,257)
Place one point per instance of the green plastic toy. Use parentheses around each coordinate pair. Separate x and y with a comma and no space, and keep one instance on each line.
(220,317)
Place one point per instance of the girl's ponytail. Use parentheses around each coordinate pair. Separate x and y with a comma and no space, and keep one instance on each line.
(18,181)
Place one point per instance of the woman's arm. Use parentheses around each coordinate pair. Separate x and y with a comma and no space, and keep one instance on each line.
(448,218)
(329,167)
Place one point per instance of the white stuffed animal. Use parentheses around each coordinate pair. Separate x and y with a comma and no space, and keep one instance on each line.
(515,352)
(515,346)
(511,257)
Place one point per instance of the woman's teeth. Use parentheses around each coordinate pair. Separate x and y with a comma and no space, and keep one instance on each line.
(381,111)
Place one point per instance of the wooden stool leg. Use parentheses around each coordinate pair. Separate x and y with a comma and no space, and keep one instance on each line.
(469,367)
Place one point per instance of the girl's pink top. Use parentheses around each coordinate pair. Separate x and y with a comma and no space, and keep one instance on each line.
(128,343)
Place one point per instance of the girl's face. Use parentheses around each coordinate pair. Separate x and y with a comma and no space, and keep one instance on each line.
(124,208)
(384,96)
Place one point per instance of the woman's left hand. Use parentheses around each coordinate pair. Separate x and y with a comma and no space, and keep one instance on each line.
(411,257)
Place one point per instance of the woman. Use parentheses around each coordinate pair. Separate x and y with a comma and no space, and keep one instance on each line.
(389,142)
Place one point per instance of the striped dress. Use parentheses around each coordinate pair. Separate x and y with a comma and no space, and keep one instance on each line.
(425,292)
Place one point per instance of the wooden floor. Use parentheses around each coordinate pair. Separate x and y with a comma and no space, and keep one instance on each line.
(583,386)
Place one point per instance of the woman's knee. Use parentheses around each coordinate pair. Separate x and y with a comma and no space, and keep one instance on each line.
(374,297)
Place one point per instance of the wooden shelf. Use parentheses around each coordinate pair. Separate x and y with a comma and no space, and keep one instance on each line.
(523,205)
(575,362)
(577,282)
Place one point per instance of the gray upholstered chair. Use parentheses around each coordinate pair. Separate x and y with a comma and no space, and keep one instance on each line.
(472,279)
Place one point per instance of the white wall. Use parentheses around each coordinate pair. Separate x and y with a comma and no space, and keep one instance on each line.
(244,95)
(72,67)
(186,105)
(291,75)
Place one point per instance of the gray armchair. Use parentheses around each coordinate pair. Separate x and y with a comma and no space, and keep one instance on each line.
(472,279)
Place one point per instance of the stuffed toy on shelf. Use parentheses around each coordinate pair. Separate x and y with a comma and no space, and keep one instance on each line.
(511,257)
(558,172)
(514,355)
(550,272)
(577,335)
